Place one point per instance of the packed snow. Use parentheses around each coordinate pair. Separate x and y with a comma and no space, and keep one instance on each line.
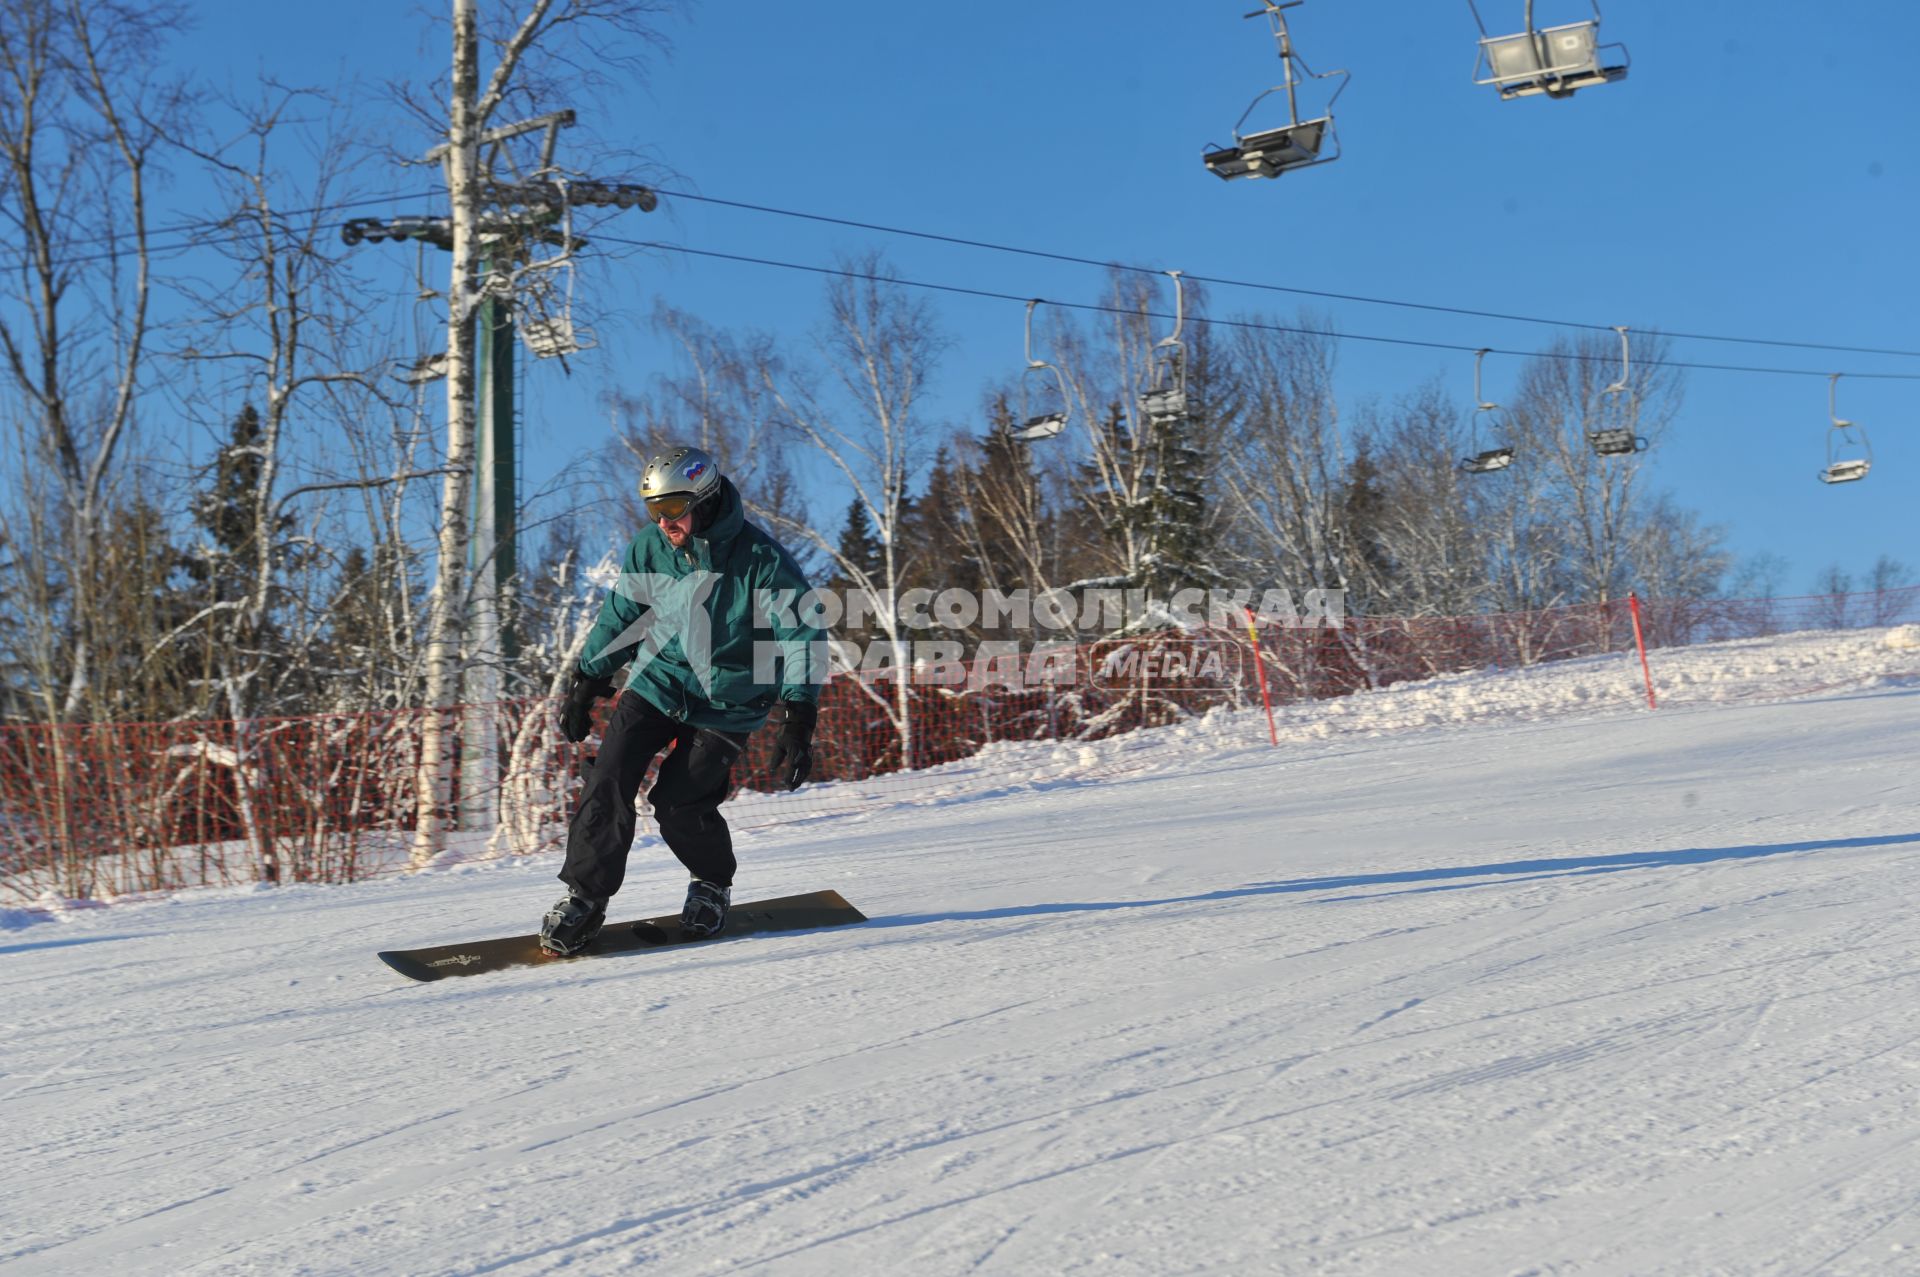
(1498,973)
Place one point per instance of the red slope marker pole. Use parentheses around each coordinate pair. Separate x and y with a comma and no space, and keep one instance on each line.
(1260,667)
(1640,640)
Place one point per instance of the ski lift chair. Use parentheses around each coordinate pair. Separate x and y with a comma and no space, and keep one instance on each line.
(546,325)
(1615,441)
(1845,437)
(1293,145)
(1489,420)
(1271,152)
(1041,386)
(1488,461)
(1554,61)
(1165,398)
(1036,426)
(1618,440)
(555,335)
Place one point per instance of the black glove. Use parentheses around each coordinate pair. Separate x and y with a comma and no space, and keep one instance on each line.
(576,716)
(793,752)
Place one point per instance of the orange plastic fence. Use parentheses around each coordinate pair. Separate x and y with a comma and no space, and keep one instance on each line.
(102,810)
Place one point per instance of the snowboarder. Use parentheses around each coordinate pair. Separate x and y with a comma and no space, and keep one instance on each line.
(699,612)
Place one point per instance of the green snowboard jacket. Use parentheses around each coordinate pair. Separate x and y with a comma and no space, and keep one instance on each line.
(711,629)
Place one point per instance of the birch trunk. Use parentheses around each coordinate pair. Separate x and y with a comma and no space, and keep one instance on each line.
(444,605)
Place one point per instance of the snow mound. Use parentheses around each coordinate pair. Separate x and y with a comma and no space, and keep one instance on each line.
(1904,638)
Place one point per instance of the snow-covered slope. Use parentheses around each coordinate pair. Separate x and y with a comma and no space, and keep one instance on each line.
(1479,976)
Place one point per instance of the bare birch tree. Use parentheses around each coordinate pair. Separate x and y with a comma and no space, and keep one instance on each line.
(298,336)
(83,118)
(1572,390)
(1435,557)
(1009,530)
(526,45)
(1892,585)
(1284,473)
(880,346)
(527,799)
(1672,554)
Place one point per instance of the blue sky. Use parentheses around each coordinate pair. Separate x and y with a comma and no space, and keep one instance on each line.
(1755,176)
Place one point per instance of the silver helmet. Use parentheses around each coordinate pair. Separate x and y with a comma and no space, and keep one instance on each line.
(678,479)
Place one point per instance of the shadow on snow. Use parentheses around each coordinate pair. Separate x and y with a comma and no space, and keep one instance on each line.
(58,944)
(1435,878)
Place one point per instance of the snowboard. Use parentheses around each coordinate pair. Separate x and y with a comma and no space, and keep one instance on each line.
(477,957)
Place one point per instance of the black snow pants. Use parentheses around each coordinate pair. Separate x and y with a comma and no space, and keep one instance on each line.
(686,798)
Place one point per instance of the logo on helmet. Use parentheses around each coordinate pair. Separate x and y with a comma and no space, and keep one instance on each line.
(695,470)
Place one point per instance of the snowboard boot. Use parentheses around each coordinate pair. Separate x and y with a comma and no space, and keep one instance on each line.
(705,912)
(571,925)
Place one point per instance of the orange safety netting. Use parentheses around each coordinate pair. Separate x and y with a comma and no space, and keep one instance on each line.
(102,810)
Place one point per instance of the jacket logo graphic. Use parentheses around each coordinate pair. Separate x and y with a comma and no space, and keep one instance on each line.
(671,607)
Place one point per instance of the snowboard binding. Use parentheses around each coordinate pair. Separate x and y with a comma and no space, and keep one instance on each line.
(571,925)
(705,912)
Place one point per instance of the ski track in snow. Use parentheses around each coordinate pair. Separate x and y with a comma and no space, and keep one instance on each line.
(1491,975)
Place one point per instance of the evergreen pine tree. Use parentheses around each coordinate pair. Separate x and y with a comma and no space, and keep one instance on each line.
(859,548)
(225,508)
(1178,541)
(1161,526)
(938,540)
(143,593)
(15,671)
(240,636)
(1363,510)
(359,645)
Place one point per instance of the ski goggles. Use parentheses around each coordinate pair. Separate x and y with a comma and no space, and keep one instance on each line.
(669,506)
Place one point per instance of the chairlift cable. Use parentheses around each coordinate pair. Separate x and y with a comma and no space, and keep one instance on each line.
(206,225)
(172,249)
(1251,325)
(1067,258)
(1071,259)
